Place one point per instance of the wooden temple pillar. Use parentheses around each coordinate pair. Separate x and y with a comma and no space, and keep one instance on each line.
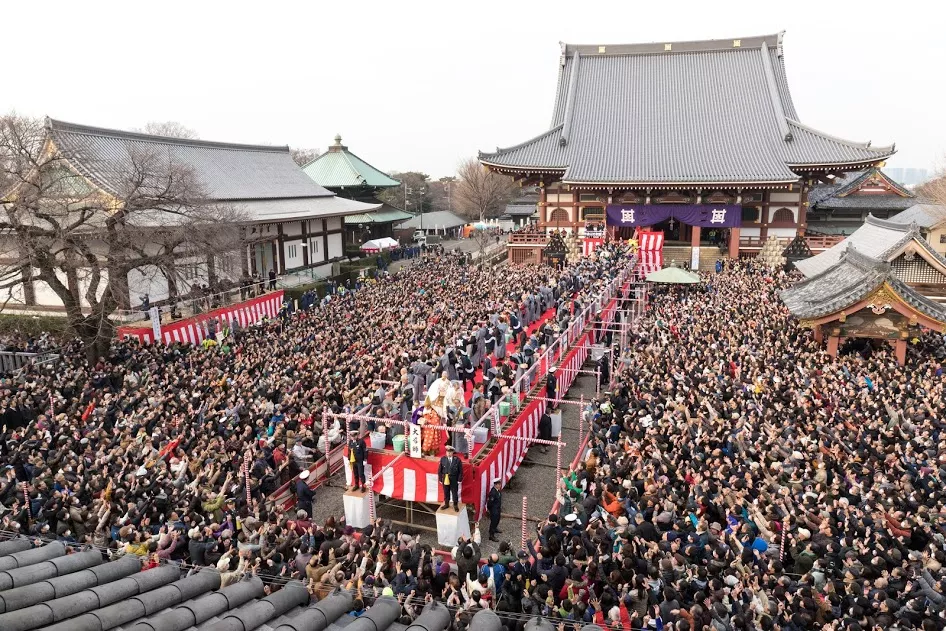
(833,342)
(734,243)
(819,334)
(695,236)
(900,349)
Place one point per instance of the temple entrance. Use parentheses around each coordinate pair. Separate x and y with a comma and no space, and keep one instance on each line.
(673,230)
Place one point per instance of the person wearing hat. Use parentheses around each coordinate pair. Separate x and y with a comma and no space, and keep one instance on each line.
(450,474)
(357,452)
(494,505)
(304,495)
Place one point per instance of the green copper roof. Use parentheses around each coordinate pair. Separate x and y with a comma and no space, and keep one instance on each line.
(384,214)
(340,168)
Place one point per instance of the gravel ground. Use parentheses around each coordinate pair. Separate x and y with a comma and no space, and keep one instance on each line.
(535,478)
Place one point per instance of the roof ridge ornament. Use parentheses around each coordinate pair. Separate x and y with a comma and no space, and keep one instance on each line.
(570,99)
(780,117)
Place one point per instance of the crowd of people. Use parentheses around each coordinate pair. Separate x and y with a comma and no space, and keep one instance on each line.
(740,478)
(737,476)
(143,451)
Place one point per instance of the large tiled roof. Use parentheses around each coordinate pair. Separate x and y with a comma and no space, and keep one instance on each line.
(226,171)
(340,168)
(665,113)
(46,588)
(877,238)
(923,215)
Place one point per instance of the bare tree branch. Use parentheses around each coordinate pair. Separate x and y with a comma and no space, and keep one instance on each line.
(480,193)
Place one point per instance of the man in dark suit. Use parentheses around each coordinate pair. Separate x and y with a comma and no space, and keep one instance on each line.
(357,452)
(450,474)
(551,386)
(304,495)
(494,505)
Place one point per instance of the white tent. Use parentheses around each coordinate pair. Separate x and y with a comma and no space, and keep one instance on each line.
(376,245)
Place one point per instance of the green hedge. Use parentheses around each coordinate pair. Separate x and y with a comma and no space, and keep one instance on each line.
(32,325)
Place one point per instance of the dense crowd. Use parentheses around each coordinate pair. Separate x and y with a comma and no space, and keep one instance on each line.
(142,451)
(737,477)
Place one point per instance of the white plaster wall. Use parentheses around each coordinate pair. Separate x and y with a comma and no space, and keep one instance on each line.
(335,248)
(333,223)
(293,261)
(292,229)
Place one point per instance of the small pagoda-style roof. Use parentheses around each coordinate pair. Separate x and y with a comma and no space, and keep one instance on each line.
(385,214)
(261,180)
(870,189)
(852,279)
(339,168)
(797,249)
(664,113)
(927,216)
(881,239)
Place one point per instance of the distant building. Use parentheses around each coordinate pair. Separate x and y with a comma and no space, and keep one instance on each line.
(841,205)
(908,176)
(345,174)
(930,219)
(522,210)
(289,223)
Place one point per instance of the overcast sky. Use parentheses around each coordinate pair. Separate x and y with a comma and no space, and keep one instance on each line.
(420,86)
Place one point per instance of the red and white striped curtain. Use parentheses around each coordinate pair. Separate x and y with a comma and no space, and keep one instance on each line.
(589,245)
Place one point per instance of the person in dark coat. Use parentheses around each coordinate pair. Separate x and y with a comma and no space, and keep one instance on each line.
(494,504)
(357,453)
(304,495)
(551,387)
(450,474)
(545,429)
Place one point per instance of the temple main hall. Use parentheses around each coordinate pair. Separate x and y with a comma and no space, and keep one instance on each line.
(698,140)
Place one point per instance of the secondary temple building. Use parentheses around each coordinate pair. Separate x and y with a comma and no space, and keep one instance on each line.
(288,223)
(698,139)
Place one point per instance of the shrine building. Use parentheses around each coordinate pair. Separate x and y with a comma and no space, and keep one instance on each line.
(700,140)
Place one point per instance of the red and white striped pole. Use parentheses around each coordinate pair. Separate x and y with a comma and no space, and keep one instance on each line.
(26,500)
(469,445)
(581,420)
(525,503)
(558,460)
(325,430)
(246,478)
(781,547)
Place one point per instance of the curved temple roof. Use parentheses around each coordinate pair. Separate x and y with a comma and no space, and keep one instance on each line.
(716,111)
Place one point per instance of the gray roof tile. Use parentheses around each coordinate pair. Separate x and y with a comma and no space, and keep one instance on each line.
(849,280)
(923,215)
(636,114)
(227,171)
(877,238)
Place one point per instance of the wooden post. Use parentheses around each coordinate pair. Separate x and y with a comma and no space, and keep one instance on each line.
(833,341)
(901,351)
(819,334)
(734,243)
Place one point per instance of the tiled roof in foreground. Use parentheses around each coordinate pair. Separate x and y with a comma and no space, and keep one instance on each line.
(716,111)
(48,588)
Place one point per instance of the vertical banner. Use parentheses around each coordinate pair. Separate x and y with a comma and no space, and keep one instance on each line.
(155,314)
(695,258)
(414,442)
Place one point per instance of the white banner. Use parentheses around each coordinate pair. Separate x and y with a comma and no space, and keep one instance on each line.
(695,259)
(155,314)
(414,441)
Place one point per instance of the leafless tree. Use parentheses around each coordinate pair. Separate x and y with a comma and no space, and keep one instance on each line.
(170,129)
(303,156)
(479,193)
(59,228)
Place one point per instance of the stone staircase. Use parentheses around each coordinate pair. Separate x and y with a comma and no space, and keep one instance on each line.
(709,254)
(676,255)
